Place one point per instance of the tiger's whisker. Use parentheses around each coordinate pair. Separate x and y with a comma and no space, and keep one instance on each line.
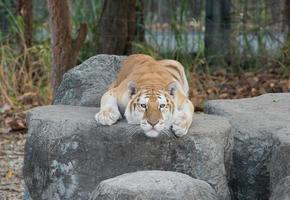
(133,130)
(166,131)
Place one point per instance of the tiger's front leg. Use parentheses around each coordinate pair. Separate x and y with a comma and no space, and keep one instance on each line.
(109,112)
(183,119)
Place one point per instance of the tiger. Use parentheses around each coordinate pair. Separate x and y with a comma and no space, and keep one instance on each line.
(150,93)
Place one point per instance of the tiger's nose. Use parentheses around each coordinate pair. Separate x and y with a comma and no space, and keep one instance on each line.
(153,123)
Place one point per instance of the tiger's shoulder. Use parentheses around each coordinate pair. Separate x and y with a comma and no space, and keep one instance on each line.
(144,69)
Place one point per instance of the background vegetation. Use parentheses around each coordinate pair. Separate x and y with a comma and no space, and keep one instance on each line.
(246,36)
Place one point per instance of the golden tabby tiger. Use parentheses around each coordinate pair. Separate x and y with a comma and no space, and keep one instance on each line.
(150,93)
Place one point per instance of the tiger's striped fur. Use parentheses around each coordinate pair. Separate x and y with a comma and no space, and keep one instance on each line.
(150,93)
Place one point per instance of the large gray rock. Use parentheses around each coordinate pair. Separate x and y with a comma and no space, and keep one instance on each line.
(153,185)
(282,190)
(261,128)
(280,159)
(67,154)
(85,84)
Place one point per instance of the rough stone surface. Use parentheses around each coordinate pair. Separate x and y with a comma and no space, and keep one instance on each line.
(152,185)
(85,84)
(280,159)
(261,129)
(67,154)
(282,190)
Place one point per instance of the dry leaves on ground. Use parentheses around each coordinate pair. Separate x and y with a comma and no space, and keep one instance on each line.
(12,140)
(11,161)
(231,86)
(12,122)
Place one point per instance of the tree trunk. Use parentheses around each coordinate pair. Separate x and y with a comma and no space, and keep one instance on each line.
(140,26)
(234,57)
(117,27)
(287,20)
(5,8)
(65,49)
(24,9)
(196,8)
(217,31)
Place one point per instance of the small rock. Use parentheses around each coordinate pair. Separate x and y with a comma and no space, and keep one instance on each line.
(153,185)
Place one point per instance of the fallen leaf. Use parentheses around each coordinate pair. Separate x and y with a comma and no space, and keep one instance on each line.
(29,98)
(223,95)
(5,107)
(16,124)
(9,174)
(4,130)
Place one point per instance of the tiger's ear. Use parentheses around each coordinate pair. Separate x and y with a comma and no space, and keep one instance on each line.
(132,88)
(172,88)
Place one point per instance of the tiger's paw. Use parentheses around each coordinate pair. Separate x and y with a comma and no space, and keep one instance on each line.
(178,131)
(107,116)
(179,126)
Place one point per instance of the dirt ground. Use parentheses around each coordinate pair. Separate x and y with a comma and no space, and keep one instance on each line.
(11,162)
(217,86)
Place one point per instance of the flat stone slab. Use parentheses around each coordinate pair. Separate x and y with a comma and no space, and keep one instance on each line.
(67,154)
(152,185)
(85,84)
(261,129)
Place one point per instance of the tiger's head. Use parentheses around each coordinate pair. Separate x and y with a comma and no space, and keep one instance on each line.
(151,107)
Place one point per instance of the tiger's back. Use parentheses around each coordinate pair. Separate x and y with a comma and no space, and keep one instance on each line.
(148,72)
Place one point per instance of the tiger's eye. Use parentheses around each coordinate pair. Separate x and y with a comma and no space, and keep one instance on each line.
(143,105)
(162,105)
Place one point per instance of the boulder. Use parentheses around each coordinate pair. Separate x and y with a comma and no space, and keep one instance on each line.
(85,84)
(152,185)
(279,166)
(261,130)
(282,190)
(67,154)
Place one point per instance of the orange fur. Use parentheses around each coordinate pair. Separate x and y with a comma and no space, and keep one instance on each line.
(149,73)
(150,77)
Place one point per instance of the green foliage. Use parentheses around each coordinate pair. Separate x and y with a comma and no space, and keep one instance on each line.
(256,44)
(23,70)
(178,26)
(142,47)
(87,11)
